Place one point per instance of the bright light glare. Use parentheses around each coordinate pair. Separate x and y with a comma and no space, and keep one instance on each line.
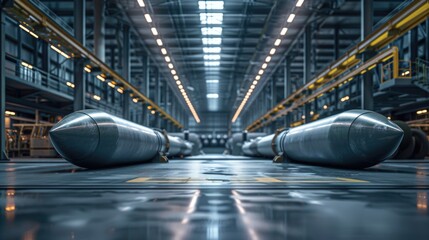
(212,95)
(211,63)
(299,3)
(290,18)
(211,31)
(211,18)
(211,5)
(213,81)
(148,18)
(212,41)
(211,57)
(211,49)
(141,3)
(283,32)
(154,31)
(277,42)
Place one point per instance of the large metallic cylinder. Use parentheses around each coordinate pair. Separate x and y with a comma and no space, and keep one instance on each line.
(95,139)
(352,139)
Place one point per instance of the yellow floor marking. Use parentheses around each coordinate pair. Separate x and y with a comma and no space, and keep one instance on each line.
(268,180)
(249,180)
(138,180)
(352,180)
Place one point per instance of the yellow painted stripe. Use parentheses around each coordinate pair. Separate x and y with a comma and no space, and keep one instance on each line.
(268,180)
(138,180)
(352,180)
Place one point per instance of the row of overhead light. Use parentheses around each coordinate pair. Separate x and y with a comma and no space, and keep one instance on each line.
(273,50)
(168,60)
(211,21)
(101,77)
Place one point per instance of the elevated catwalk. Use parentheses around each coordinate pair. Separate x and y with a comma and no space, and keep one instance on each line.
(213,197)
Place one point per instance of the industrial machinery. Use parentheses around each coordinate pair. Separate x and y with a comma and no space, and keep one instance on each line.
(352,139)
(197,146)
(29,139)
(95,139)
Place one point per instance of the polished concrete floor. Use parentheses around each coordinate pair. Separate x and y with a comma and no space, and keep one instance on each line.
(213,197)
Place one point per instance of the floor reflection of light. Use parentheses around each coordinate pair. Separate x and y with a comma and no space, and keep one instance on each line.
(213,230)
(30,234)
(422,201)
(10,205)
(245,219)
(181,232)
(191,206)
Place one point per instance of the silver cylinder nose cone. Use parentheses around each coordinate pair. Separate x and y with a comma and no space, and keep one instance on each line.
(372,136)
(75,137)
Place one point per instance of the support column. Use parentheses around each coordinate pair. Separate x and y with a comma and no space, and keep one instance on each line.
(287,87)
(46,62)
(427,40)
(158,97)
(99,30)
(3,155)
(307,67)
(336,42)
(146,85)
(273,100)
(367,100)
(125,63)
(412,44)
(79,78)
(126,105)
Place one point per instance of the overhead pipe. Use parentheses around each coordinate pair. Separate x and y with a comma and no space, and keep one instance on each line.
(95,139)
(352,139)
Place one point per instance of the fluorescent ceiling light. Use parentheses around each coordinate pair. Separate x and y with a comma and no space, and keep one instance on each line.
(211,49)
(299,3)
(211,31)
(176,77)
(277,42)
(261,72)
(167,59)
(141,3)
(211,63)
(211,57)
(173,72)
(148,18)
(212,81)
(154,31)
(164,51)
(212,95)
(290,18)
(273,50)
(268,59)
(283,32)
(264,66)
(212,41)
(159,42)
(211,18)
(170,65)
(210,5)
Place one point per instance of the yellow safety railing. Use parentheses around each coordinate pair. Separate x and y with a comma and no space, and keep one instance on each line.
(402,22)
(404,70)
(28,14)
